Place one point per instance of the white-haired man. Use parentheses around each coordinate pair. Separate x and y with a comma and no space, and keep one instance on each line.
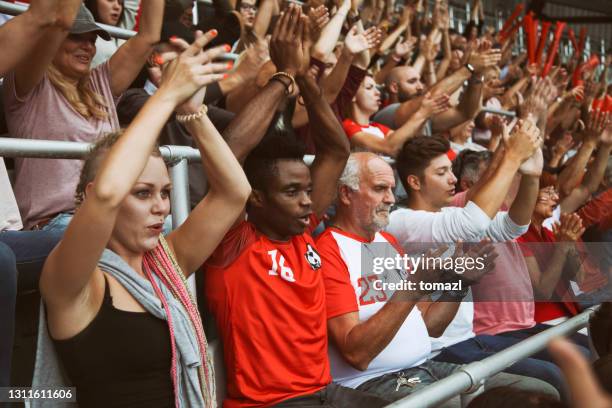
(380,340)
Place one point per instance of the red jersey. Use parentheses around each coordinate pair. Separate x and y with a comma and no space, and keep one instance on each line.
(375,129)
(545,311)
(268,298)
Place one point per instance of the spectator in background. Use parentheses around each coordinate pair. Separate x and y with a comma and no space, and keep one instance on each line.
(137,358)
(54,95)
(22,252)
(118,13)
(375,137)
(461,137)
(248,11)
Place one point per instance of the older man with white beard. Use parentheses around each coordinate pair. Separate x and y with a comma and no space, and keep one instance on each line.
(380,340)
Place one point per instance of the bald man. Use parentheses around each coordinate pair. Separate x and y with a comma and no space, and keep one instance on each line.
(406,91)
(379,340)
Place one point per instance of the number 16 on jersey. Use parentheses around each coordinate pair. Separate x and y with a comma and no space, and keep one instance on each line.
(285,272)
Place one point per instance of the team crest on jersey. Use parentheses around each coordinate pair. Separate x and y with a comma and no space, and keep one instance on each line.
(312,256)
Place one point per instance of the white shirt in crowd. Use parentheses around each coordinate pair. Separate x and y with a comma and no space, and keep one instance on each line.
(468,224)
(410,346)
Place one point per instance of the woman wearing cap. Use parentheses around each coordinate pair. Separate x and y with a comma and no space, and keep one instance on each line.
(118,13)
(26,30)
(54,95)
(122,322)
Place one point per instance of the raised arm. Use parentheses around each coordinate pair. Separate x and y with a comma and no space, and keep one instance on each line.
(31,40)
(521,145)
(228,190)
(331,32)
(592,178)
(522,207)
(65,277)
(566,233)
(250,125)
(29,28)
(571,174)
(471,100)
(402,50)
(126,63)
(331,145)
(267,10)
(354,44)
(480,61)
(393,142)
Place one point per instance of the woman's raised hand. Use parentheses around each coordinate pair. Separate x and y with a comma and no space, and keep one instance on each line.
(190,69)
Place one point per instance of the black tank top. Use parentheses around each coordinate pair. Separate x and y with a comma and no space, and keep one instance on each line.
(121,359)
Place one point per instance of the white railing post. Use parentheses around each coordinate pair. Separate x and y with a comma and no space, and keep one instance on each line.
(179,197)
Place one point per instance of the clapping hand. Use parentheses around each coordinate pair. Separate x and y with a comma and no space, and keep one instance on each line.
(356,42)
(569,228)
(290,43)
(186,74)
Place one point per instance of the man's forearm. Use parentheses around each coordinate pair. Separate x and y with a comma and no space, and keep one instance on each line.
(333,83)
(407,131)
(491,195)
(439,315)
(571,174)
(551,275)
(326,131)
(522,206)
(250,125)
(596,172)
(471,100)
(451,83)
(368,339)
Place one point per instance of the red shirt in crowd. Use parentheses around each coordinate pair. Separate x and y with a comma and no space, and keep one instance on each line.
(545,311)
(268,298)
(376,129)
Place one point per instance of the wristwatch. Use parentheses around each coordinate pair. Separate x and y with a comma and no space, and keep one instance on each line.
(470,68)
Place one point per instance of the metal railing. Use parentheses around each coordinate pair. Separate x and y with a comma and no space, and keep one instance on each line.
(469,380)
(177,157)
(117,32)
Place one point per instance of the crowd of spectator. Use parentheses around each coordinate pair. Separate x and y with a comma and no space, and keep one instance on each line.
(426,140)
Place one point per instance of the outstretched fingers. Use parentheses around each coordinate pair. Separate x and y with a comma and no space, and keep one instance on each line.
(196,47)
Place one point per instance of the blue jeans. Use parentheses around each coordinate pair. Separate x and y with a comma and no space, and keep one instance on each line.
(394,386)
(579,340)
(8,294)
(22,255)
(484,345)
(59,223)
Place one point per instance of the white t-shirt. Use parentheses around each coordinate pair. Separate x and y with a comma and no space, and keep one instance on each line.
(9,213)
(341,254)
(468,224)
